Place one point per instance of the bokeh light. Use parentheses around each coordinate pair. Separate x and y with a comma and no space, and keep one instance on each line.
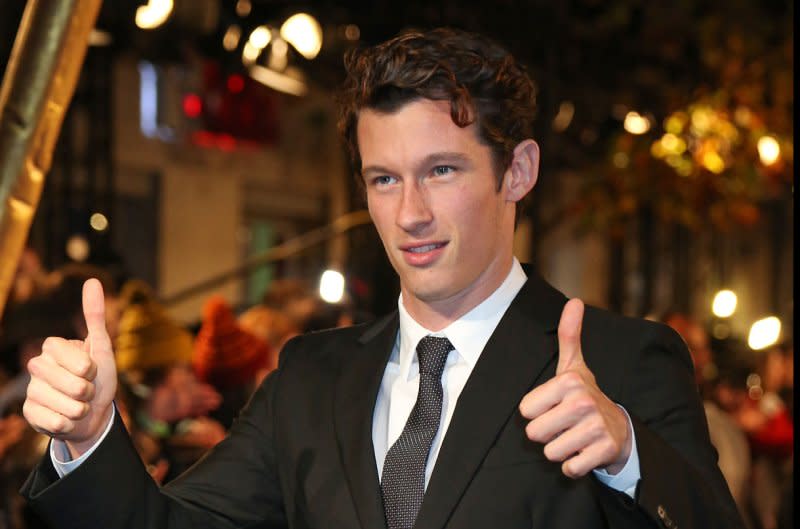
(154,14)
(764,332)
(331,286)
(304,33)
(768,150)
(635,123)
(98,222)
(724,304)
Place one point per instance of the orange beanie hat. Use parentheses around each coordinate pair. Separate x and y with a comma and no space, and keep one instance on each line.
(225,355)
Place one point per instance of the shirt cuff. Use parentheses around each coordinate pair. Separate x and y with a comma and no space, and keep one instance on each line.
(59,453)
(627,478)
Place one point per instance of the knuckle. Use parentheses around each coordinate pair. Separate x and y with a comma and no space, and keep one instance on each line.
(33,365)
(27,412)
(593,424)
(610,447)
(82,390)
(77,410)
(48,344)
(58,424)
(32,390)
(51,345)
(83,367)
(572,379)
(598,425)
(568,333)
(583,404)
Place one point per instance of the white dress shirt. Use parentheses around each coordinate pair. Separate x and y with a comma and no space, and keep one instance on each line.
(398,392)
(469,335)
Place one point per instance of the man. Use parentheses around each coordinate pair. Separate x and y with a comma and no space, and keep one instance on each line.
(486,400)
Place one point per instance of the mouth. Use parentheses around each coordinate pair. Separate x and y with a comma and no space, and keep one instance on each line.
(423,254)
(424,247)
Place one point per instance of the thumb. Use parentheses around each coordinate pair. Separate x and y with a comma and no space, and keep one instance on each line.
(569,336)
(94,313)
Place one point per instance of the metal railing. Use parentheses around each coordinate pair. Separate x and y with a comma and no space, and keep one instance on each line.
(276,253)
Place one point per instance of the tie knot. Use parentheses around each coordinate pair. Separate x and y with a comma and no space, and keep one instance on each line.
(432,353)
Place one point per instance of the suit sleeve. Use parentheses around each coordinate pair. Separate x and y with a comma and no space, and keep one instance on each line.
(681,485)
(235,485)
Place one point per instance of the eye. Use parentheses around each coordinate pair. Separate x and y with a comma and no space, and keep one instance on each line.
(383,180)
(442,170)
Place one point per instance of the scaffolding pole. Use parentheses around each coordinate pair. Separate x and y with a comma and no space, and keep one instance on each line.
(38,85)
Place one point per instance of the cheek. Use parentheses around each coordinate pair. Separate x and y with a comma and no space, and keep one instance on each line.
(379,222)
(479,216)
(381,217)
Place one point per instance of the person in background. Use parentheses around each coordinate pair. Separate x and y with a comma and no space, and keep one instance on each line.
(229,358)
(280,316)
(767,419)
(727,394)
(777,366)
(487,399)
(271,326)
(699,344)
(293,298)
(167,403)
(30,278)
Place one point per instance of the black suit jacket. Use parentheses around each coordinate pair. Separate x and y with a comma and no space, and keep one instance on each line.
(301,453)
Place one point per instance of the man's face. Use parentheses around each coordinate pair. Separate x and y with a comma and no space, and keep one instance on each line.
(432,195)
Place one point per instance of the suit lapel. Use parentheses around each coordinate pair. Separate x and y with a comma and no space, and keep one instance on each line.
(356,391)
(512,362)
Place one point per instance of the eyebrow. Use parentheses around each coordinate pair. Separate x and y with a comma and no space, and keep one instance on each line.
(435,158)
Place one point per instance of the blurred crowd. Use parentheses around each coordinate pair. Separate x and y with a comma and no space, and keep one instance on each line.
(180,387)
(748,399)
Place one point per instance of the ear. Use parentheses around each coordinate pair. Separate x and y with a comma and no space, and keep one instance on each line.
(523,172)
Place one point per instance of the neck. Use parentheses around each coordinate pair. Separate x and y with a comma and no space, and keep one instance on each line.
(437,314)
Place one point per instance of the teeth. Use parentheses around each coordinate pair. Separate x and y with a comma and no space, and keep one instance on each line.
(422,249)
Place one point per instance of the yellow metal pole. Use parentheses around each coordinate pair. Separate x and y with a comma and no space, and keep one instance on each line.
(38,85)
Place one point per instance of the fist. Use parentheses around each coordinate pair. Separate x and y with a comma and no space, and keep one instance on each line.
(73,382)
(569,414)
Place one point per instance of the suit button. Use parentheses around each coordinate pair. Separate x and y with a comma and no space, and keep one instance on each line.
(662,513)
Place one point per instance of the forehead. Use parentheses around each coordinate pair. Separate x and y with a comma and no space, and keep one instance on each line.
(415,130)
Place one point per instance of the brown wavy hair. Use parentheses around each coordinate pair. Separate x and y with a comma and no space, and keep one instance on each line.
(482,81)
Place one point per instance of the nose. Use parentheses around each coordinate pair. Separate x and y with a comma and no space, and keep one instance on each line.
(414,212)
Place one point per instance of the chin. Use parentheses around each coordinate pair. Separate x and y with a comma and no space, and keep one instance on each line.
(431,290)
(428,295)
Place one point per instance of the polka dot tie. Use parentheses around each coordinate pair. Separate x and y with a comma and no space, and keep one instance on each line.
(403,479)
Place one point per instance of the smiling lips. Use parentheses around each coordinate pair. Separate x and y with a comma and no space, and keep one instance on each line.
(423,254)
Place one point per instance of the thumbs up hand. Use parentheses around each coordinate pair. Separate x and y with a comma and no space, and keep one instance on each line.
(577,423)
(73,382)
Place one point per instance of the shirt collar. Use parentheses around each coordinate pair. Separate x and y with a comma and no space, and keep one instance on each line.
(468,334)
